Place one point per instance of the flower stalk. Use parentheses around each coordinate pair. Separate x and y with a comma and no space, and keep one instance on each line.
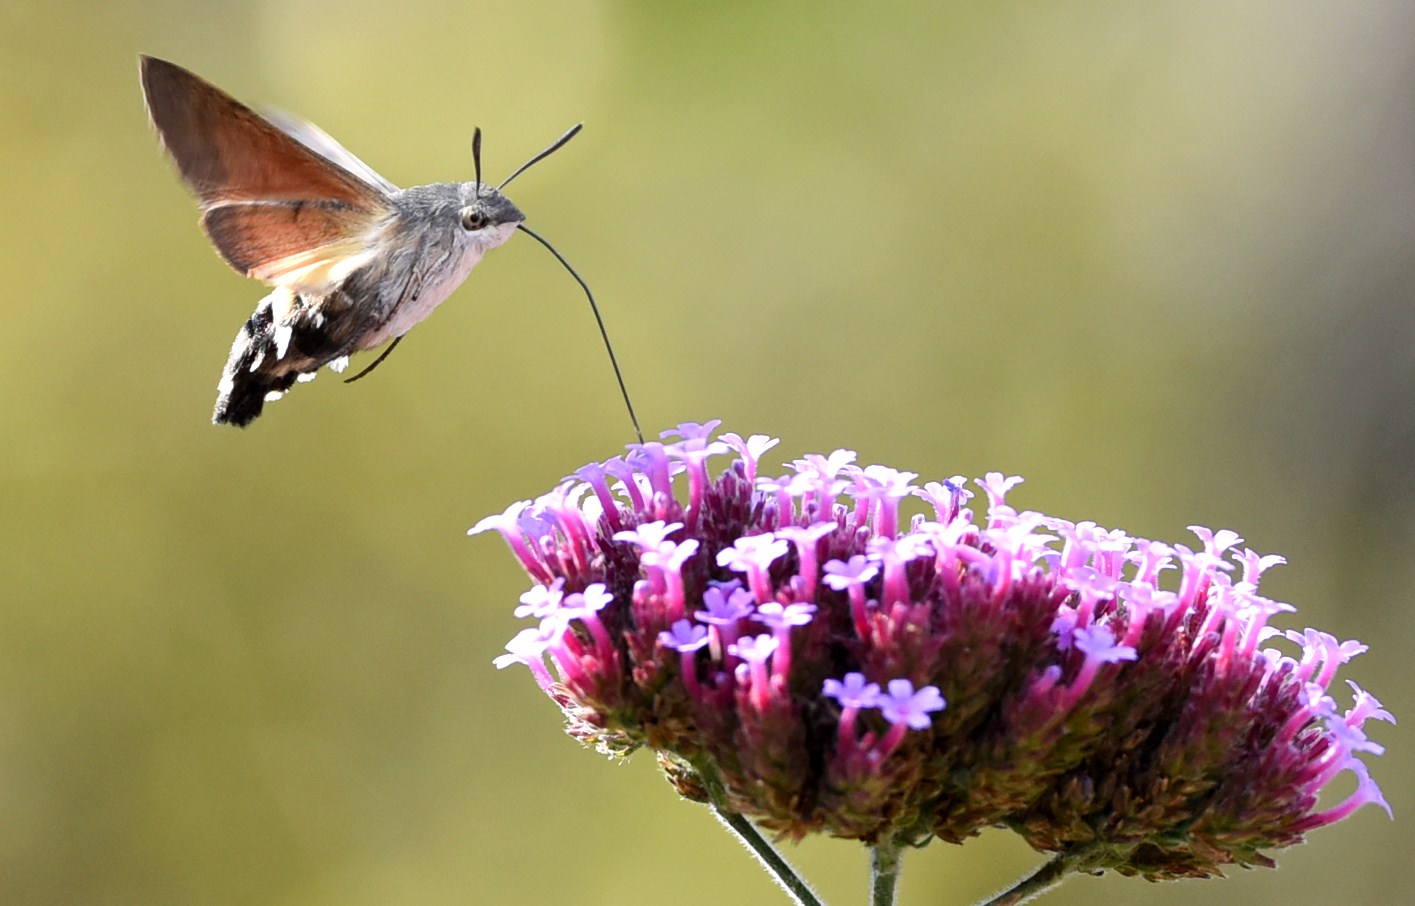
(770,858)
(885,866)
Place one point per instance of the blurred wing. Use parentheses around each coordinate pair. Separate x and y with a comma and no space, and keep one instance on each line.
(275,209)
(323,144)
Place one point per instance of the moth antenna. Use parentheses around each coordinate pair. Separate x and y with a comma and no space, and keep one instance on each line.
(376,362)
(618,375)
(476,157)
(559,142)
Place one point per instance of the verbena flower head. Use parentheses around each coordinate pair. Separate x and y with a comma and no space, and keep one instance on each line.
(795,650)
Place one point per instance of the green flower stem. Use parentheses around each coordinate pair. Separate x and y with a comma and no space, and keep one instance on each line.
(1050,875)
(795,887)
(885,864)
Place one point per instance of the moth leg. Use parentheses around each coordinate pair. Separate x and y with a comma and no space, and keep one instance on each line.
(378,361)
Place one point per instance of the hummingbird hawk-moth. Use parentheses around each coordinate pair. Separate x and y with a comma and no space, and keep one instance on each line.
(353,261)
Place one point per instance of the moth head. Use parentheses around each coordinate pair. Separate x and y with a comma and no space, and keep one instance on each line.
(486,214)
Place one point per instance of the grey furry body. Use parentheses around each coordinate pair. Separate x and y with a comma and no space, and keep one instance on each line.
(423,253)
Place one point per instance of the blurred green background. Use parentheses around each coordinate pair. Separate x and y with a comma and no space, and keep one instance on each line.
(1155,257)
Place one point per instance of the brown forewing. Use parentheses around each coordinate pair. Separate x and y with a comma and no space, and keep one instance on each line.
(264,195)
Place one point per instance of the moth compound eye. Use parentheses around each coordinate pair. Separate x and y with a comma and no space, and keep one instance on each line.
(473,219)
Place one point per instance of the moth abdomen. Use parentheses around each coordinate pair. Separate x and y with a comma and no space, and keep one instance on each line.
(244,387)
(286,339)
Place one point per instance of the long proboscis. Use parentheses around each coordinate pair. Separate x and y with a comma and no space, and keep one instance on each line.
(618,375)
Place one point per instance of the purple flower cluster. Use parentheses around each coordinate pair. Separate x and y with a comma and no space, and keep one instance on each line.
(793,654)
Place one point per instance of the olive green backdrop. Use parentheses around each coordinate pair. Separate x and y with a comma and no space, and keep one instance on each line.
(1156,257)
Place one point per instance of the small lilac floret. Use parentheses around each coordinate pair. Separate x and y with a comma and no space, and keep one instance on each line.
(629,481)
(685,636)
(562,506)
(503,522)
(597,475)
(818,483)
(1366,707)
(1140,601)
(782,496)
(1111,549)
(648,535)
(750,450)
(1078,543)
(725,606)
(775,615)
(1097,643)
(541,600)
(585,607)
(893,482)
(529,647)
(671,557)
(1350,736)
(853,691)
(1216,542)
(894,556)
(693,431)
(1151,558)
(996,486)
(754,555)
(755,651)
(663,565)
(1255,564)
(694,450)
(1253,611)
(780,619)
(827,467)
(807,538)
(508,524)
(853,574)
(843,574)
(1367,793)
(881,488)
(752,552)
(1324,649)
(903,705)
(726,603)
(1091,588)
(651,460)
(947,497)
